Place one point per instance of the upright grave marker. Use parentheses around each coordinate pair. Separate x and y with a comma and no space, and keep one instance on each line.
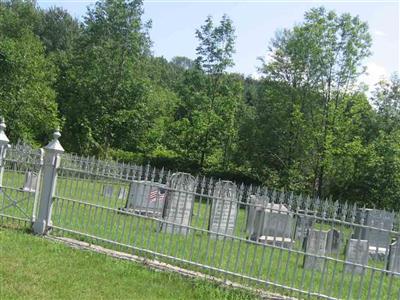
(179,204)
(357,253)
(255,203)
(224,208)
(315,245)
(273,225)
(378,240)
(394,258)
(30,183)
(334,241)
(146,198)
(108,191)
(304,222)
(122,193)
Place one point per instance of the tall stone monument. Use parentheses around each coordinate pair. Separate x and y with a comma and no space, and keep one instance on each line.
(223,209)
(179,204)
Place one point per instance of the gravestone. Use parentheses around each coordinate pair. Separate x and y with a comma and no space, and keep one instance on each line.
(224,208)
(108,191)
(315,244)
(255,203)
(357,252)
(394,258)
(334,241)
(179,205)
(304,222)
(146,198)
(378,241)
(30,183)
(273,225)
(122,193)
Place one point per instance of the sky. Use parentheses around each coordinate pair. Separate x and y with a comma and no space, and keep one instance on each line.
(174,23)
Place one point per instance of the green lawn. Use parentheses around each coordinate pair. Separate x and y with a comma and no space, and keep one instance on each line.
(34,268)
(80,206)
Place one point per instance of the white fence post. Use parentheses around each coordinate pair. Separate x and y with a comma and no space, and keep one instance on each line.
(3,148)
(37,187)
(51,162)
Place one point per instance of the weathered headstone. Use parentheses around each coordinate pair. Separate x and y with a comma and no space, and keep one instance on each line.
(357,253)
(146,198)
(122,193)
(30,183)
(224,208)
(394,258)
(315,245)
(378,240)
(179,204)
(304,222)
(334,241)
(108,191)
(255,203)
(273,225)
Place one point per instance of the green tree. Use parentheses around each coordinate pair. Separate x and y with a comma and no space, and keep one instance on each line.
(206,116)
(27,99)
(58,30)
(385,164)
(107,100)
(319,61)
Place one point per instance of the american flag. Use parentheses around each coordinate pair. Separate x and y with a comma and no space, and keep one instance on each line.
(157,195)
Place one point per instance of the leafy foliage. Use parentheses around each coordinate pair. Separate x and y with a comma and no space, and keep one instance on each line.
(304,126)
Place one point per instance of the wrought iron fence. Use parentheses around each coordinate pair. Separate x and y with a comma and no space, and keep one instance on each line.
(294,245)
(19,187)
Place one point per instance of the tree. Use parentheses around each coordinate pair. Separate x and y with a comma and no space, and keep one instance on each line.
(385,163)
(214,56)
(58,30)
(182,62)
(106,102)
(386,98)
(27,99)
(216,46)
(319,61)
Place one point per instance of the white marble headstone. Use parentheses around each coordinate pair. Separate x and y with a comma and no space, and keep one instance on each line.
(179,204)
(224,208)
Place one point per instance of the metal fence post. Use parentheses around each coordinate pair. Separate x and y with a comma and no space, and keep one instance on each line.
(51,162)
(3,148)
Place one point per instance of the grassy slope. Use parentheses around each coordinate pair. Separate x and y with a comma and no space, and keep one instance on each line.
(35,268)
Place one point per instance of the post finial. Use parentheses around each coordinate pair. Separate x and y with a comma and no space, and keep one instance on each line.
(55,145)
(56,134)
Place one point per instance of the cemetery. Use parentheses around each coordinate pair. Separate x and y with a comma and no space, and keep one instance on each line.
(257,149)
(212,226)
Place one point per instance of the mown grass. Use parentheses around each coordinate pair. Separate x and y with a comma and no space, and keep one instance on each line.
(98,216)
(34,268)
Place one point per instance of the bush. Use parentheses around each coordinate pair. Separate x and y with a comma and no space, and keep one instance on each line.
(170,160)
